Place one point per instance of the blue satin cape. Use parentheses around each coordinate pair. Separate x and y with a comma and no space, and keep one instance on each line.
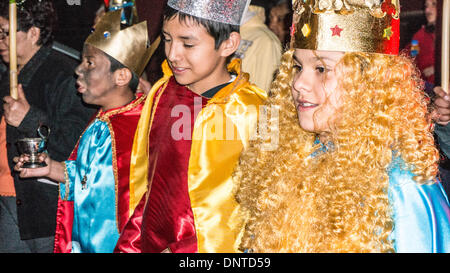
(421,213)
(95,228)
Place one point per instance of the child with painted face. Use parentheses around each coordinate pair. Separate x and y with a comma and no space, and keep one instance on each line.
(356,165)
(196,121)
(95,192)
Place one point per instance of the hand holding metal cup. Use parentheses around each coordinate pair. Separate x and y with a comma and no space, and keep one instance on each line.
(32,147)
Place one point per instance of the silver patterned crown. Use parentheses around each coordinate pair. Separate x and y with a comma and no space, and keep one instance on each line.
(223,11)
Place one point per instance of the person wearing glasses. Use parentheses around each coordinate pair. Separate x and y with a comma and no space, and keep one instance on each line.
(47,95)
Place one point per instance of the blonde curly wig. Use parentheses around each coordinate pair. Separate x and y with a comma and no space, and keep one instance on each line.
(337,201)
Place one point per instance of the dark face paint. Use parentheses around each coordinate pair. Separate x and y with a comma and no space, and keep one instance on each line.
(94,76)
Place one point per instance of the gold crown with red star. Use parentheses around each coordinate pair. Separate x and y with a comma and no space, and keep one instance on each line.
(371,26)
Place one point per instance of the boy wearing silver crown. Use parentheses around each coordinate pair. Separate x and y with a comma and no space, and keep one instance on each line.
(95,193)
(196,121)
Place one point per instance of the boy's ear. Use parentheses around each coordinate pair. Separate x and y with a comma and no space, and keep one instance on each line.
(229,46)
(34,33)
(122,77)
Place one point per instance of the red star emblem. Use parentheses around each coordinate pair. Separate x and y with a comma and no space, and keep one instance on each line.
(336,31)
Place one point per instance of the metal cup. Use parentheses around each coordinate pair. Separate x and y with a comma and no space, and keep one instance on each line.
(33,147)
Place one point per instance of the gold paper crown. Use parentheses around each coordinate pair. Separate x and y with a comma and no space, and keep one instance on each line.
(129,46)
(370,26)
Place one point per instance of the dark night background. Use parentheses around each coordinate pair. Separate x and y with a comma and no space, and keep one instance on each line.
(75,21)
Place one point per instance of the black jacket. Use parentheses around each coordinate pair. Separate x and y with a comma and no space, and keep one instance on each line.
(48,82)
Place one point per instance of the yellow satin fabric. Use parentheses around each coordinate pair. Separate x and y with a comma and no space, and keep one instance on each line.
(221,131)
(213,158)
(139,154)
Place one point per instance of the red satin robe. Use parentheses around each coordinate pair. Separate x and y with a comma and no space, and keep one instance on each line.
(169,221)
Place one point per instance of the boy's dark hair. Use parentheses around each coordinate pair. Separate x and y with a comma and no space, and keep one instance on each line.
(219,31)
(115,65)
(34,13)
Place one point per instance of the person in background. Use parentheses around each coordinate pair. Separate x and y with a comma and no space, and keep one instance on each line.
(47,96)
(6,180)
(422,46)
(280,20)
(260,49)
(8,227)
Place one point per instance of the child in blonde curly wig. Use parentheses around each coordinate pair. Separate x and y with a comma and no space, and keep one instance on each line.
(355,165)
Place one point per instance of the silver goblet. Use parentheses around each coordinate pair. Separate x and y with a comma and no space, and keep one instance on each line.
(33,146)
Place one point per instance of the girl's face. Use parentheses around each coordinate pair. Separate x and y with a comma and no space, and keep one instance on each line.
(315,88)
